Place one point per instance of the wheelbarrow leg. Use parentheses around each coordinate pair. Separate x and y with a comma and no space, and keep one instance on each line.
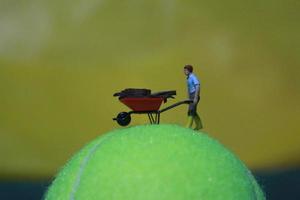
(157,118)
(151,118)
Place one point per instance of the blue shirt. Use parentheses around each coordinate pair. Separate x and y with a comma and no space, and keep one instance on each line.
(192,82)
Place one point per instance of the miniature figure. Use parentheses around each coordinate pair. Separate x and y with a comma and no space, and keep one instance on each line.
(193,89)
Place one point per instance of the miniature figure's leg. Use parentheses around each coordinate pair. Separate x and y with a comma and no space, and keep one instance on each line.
(189,123)
(198,122)
(190,116)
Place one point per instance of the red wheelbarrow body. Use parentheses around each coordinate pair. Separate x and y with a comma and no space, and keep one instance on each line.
(143,104)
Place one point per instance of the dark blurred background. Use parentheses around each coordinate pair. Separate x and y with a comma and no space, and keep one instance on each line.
(61,61)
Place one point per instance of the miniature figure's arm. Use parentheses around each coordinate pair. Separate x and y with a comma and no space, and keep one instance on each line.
(197,93)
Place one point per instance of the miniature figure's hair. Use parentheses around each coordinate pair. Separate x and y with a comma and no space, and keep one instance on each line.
(189,68)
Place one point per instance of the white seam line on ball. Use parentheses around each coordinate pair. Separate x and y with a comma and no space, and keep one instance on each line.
(82,166)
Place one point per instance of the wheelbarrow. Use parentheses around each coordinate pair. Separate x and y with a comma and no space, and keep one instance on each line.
(142,101)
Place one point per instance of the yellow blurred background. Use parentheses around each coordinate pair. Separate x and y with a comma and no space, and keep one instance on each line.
(61,62)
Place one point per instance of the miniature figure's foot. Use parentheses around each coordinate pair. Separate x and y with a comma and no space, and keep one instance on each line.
(198,128)
(198,123)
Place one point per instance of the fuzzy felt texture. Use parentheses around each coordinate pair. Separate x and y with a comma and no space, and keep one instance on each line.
(154,162)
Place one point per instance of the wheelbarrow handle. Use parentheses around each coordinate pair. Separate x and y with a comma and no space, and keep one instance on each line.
(175,105)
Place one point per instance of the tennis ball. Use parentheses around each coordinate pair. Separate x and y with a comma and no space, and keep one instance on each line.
(154,162)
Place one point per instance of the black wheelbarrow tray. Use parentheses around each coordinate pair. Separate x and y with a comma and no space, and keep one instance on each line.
(141,101)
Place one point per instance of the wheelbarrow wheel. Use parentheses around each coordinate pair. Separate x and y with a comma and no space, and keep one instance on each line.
(123,118)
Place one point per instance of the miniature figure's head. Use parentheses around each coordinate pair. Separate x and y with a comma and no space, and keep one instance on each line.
(188,69)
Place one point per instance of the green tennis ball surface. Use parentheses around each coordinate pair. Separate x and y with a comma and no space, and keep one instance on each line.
(154,162)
